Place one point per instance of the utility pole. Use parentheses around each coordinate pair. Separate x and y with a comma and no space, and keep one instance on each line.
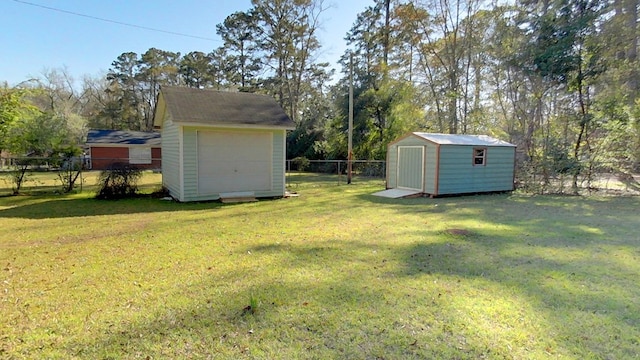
(350,142)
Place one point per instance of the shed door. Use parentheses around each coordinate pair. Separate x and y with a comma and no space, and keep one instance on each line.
(230,161)
(410,167)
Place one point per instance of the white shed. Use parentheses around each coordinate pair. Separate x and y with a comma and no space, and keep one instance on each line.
(217,142)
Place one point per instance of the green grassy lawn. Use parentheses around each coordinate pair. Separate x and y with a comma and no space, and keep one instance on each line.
(38,183)
(334,273)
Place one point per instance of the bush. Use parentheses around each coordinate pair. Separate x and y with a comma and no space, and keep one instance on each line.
(21,167)
(70,166)
(301,163)
(119,182)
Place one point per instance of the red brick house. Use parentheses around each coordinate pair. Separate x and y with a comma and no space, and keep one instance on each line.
(138,148)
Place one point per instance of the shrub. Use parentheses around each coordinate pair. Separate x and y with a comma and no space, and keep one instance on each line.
(21,167)
(70,166)
(301,163)
(120,181)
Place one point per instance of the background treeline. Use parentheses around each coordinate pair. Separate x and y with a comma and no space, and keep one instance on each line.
(559,78)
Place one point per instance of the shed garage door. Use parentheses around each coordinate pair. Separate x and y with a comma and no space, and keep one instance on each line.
(231,161)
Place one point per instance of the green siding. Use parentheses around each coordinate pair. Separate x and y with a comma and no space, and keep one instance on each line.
(171,158)
(458,175)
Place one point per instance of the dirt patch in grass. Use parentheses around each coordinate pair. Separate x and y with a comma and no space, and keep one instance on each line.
(458,232)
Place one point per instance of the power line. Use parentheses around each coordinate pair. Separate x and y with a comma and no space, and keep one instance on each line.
(116,22)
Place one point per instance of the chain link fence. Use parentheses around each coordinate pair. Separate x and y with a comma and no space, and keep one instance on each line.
(39,175)
(33,175)
(332,172)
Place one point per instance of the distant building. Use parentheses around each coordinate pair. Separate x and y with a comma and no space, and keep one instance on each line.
(138,148)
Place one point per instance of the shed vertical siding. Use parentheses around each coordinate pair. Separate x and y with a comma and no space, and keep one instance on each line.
(392,166)
(458,175)
(431,169)
(392,159)
(410,171)
(190,164)
(171,159)
(278,164)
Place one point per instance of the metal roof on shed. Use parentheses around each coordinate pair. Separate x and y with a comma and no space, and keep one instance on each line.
(455,139)
(121,137)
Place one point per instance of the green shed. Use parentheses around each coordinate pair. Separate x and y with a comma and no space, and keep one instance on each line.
(444,164)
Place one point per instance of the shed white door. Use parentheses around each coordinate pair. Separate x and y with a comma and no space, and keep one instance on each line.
(410,167)
(230,161)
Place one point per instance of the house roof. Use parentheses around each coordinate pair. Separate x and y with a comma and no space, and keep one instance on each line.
(121,137)
(455,139)
(212,107)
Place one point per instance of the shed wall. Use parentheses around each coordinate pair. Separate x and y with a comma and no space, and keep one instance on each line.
(278,163)
(190,164)
(430,170)
(430,166)
(458,175)
(392,163)
(392,159)
(171,158)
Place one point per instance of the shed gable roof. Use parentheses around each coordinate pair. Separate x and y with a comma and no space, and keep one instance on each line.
(213,107)
(122,137)
(455,139)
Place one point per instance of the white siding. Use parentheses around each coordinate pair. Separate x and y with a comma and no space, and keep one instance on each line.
(275,149)
(171,161)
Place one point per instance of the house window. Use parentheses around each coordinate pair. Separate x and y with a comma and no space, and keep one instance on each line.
(479,156)
(139,155)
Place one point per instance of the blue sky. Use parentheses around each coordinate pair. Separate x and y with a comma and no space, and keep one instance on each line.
(34,39)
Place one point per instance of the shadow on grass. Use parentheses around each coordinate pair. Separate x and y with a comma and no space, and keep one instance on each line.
(353,316)
(584,302)
(555,263)
(572,260)
(29,207)
(293,319)
(364,300)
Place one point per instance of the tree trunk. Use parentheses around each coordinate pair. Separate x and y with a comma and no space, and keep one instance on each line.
(632,52)
(387,30)
(453,102)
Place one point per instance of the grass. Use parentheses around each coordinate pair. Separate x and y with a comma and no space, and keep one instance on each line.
(45,182)
(334,273)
